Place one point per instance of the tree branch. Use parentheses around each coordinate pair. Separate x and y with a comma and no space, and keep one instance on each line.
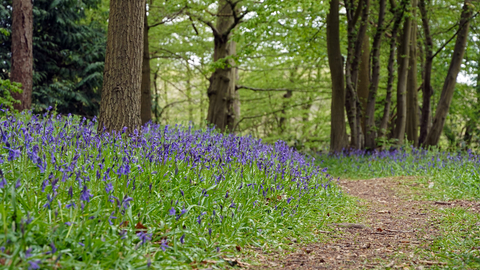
(454,35)
(238,87)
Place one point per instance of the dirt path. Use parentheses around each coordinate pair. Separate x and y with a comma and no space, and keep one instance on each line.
(390,232)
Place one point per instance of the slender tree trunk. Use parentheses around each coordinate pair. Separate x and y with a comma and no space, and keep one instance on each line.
(402,79)
(157,97)
(355,42)
(364,79)
(221,92)
(412,87)
(398,14)
(22,51)
(427,89)
(146,106)
(370,133)
(335,62)
(451,79)
(121,92)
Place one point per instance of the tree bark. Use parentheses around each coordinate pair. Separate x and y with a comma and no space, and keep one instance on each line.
(121,93)
(451,79)
(335,62)
(355,41)
(364,79)
(402,79)
(146,103)
(22,52)
(222,94)
(370,133)
(427,90)
(412,88)
(398,14)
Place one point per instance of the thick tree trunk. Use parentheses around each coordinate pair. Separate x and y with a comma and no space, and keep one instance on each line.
(146,104)
(451,79)
(121,93)
(370,134)
(412,88)
(335,61)
(364,79)
(427,90)
(221,92)
(402,79)
(22,52)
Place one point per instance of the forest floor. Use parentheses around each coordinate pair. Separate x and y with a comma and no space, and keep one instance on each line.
(395,230)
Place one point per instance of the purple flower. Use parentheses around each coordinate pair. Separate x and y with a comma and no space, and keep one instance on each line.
(18,184)
(183,194)
(144,237)
(68,223)
(172,212)
(28,253)
(85,195)
(54,249)
(149,263)
(109,188)
(126,201)
(164,245)
(182,239)
(72,204)
(81,244)
(34,264)
(3,183)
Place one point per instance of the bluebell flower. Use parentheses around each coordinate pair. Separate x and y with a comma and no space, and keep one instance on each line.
(164,245)
(33,265)
(144,237)
(182,239)
(172,211)
(28,253)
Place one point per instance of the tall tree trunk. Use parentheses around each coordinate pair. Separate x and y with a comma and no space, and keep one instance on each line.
(451,79)
(189,94)
(398,14)
(146,104)
(22,52)
(427,90)
(370,134)
(157,97)
(402,79)
(221,92)
(335,62)
(355,41)
(412,88)
(121,92)
(364,79)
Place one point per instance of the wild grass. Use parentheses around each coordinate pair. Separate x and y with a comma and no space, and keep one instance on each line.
(165,197)
(450,175)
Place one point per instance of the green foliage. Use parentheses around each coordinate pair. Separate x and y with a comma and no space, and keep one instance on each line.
(68,55)
(6,90)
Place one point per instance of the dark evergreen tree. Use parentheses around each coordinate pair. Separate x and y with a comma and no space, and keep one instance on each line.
(68,53)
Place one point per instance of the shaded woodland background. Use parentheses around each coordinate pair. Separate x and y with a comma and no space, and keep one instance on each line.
(300,71)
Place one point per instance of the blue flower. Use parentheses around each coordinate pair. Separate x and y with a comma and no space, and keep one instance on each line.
(164,245)
(144,237)
(34,264)
(182,239)
(172,212)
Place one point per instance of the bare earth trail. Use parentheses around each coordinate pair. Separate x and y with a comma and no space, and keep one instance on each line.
(390,231)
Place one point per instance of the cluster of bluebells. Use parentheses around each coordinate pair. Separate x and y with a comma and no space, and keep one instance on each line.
(459,170)
(173,175)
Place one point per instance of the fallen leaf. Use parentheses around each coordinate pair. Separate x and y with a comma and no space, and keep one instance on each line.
(140,227)
(379,230)
(238,248)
